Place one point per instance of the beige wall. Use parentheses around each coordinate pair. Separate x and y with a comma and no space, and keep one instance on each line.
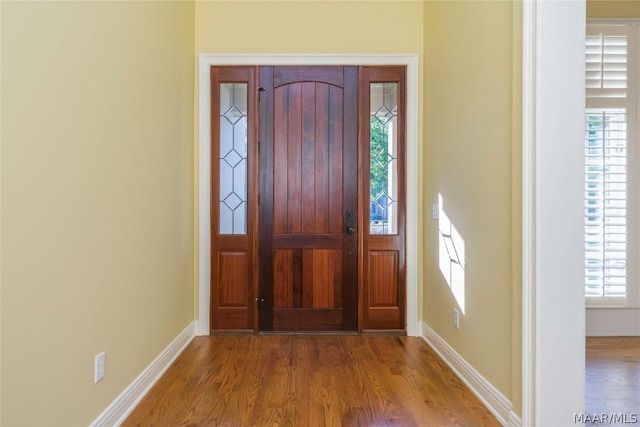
(613,8)
(471,126)
(97,199)
(309,27)
(516,208)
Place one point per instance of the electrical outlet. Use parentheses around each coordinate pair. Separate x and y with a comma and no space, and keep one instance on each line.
(434,211)
(99,367)
(456,318)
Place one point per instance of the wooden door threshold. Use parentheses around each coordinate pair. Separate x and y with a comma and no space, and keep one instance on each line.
(232,332)
(333,333)
(392,332)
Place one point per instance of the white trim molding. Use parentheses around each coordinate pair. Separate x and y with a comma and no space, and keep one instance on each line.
(613,322)
(613,21)
(553,368)
(514,420)
(204,180)
(529,80)
(122,406)
(490,396)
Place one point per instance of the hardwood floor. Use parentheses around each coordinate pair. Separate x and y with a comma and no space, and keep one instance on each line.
(309,380)
(613,376)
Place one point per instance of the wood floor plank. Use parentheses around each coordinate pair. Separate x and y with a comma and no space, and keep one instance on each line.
(613,376)
(309,380)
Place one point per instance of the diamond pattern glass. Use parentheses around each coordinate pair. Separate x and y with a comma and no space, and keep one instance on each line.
(233,158)
(384,115)
(383,164)
(233,115)
(383,159)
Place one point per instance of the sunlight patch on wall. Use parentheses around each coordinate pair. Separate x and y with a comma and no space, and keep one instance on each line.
(451,255)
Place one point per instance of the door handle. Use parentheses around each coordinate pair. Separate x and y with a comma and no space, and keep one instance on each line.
(351,221)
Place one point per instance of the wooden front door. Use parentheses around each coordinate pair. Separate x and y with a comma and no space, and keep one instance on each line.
(308,206)
(308,199)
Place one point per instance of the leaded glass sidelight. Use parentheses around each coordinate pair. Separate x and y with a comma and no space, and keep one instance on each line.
(233,158)
(383,158)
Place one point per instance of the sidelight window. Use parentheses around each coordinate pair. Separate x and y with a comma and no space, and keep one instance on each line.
(233,158)
(383,158)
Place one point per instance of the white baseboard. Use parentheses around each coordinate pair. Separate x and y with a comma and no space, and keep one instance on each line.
(120,408)
(490,396)
(612,322)
(202,329)
(514,420)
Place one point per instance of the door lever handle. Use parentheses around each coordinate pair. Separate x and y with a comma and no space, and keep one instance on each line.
(351,221)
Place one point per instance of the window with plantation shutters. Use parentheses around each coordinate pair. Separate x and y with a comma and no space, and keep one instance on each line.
(606,212)
(610,154)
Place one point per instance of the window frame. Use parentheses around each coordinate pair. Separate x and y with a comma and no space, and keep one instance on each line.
(631,104)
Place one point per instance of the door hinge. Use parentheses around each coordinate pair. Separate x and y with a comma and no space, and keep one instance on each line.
(260,89)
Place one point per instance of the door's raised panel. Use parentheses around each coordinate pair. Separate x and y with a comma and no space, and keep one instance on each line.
(233,279)
(310,278)
(283,277)
(383,278)
(323,277)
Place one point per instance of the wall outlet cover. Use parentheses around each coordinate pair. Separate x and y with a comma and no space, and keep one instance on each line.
(99,367)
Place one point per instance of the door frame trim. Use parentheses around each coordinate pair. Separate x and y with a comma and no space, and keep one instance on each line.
(203,222)
(553,305)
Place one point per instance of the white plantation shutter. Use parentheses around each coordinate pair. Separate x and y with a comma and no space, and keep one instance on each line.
(606,204)
(610,195)
(606,63)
